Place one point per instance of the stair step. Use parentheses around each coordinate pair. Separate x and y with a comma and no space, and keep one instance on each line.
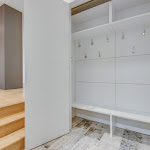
(13,141)
(11,109)
(11,123)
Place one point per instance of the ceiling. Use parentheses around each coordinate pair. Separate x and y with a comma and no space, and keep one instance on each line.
(16,4)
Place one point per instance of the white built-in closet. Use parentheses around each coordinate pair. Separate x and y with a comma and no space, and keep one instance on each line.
(111,64)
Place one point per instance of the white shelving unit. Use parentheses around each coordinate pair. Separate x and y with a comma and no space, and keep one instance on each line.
(111,76)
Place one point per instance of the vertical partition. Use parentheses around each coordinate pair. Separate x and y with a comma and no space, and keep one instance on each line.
(47,48)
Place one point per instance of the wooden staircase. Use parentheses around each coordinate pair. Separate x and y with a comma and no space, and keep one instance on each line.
(12,132)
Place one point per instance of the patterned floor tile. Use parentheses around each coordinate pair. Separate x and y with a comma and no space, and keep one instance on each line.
(143,147)
(88,135)
(146,139)
(84,124)
(76,120)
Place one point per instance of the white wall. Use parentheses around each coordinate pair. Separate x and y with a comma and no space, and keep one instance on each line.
(47,45)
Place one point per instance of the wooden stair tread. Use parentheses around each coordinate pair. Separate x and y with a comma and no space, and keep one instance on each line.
(11,97)
(12,138)
(12,118)
(6,104)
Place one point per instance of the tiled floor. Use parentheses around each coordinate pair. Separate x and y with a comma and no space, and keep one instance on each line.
(88,135)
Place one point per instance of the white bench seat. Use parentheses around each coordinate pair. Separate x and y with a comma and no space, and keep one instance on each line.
(141,117)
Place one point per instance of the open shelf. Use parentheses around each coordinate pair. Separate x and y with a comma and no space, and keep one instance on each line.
(136,116)
(138,21)
(126,9)
(90,18)
(99,30)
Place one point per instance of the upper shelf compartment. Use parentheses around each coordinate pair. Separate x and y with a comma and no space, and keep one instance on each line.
(124,9)
(140,21)
(116,15)
(90,18)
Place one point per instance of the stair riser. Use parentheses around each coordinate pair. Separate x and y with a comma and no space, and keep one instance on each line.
(16,146)
(10,110)
(11,127)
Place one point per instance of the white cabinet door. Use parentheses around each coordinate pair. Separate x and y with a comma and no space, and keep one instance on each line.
(133,97)
(133,70)
(95,94)
(47,46)
(95,70)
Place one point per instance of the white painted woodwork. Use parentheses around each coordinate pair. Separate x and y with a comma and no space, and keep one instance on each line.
(131,115)
(135,70)
(123,62)
(110,12)
(95,71)
(99,50)
(133,37)
(95,94)
(127,12)
(93,31)
(113,121)
(96,16)
(47,51)
(133,97)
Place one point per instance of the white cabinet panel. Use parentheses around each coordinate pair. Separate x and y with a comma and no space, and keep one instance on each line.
(133,69)
(106,49)
(96,70)
(47,51)
(134,38)
(96,94)
(100,44)
(133,97)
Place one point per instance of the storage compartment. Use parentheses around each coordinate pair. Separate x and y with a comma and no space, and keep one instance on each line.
(90,18)
(130,8)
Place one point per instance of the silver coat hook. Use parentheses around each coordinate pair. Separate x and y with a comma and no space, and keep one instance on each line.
(144,33)
(133,51)
(92,43)
(79,45)
(107,39)
(99,54)
(123,36)
(85,56)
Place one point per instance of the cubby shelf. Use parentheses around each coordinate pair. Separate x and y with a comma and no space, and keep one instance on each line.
(143,117)
(136,116)
(140,20)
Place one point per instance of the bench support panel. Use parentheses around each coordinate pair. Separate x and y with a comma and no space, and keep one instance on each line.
(113,121)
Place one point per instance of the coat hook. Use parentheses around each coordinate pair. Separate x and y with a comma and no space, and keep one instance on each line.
(123,36)
(85,56)
(99,54)
(107,39)
(92,43)
(144,33)
(133,51)
(79,45)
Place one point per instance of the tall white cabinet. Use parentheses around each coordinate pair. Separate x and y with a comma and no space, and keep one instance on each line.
(111,64)
(47,47)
